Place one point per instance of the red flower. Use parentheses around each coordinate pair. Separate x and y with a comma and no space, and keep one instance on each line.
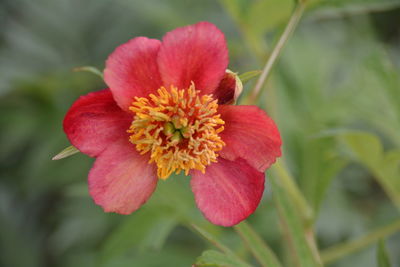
(164,112)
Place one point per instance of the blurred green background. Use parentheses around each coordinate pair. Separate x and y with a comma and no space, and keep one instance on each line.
(335,94)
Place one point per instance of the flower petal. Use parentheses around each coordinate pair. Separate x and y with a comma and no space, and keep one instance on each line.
(250,134)
(94,121)
(195,53)
(121,180)
(132,70)
(228,192)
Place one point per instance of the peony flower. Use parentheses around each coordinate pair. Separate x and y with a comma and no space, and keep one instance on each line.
(166,111)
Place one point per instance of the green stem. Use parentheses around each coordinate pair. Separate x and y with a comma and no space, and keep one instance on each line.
(261,251)
(339,251)
(290,27)
(293,191)
(211,239)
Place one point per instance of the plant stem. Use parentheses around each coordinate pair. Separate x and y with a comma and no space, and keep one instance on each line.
(293,191)
(290,27)
(261,251)
(339,251)
(211,239)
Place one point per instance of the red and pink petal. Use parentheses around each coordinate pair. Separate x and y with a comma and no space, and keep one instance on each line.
(195,53)
(132,70)
(250,134)
(228,192)
(95,121)
(121,180)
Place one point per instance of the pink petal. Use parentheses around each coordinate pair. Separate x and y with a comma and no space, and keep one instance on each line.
(195,53)
(94,121)
(132,70)
(250,134)
(121,179)
(228,192)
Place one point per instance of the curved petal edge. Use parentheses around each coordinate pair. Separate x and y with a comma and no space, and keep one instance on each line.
(250,134)
(228,192)
(94,121)
(121,180)
(195,53)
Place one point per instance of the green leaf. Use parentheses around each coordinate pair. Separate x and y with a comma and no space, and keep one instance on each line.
(338,8)
(91,69)
(147,228)
(382,255)
(277,12)
(367,149)
(66,152)
(216,258)
(339,251)
(293,226)
(261,251)
(247,76)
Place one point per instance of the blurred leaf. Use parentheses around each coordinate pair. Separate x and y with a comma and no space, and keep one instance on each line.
(277,12)
(138,230)
(382,255)
(328,9)
(320,163)
(247,76)
(297,199)
(293,226)
(66,152)
(91,70)
(261,251)
(217,259)
(339,251)
(367,149)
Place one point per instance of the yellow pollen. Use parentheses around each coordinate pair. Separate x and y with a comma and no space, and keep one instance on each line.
(179,128)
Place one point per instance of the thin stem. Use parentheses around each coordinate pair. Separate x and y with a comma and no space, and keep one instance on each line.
(339,251)
(211,239)
(290,27)
(261,251)
(293,191)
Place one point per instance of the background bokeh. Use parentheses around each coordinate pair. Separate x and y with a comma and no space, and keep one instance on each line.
(335,94)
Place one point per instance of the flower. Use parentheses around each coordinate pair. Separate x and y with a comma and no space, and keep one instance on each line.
(166,110)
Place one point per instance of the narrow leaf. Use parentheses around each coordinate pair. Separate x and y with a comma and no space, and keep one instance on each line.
(213,240)
(90,69)
(216,258)
(382,255)
(339,251)
(367,149)
(304,255)
(69,151)
(247,76)
(261,251)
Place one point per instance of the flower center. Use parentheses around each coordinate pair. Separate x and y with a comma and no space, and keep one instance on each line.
(179,128)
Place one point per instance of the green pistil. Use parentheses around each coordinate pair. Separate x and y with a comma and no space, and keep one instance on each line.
(176,137)
(185,132)
(169,129)
(176,134)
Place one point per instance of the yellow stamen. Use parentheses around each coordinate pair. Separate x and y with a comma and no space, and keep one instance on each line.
(179,128)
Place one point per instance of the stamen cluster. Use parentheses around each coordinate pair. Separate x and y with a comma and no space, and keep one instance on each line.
(179,128)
